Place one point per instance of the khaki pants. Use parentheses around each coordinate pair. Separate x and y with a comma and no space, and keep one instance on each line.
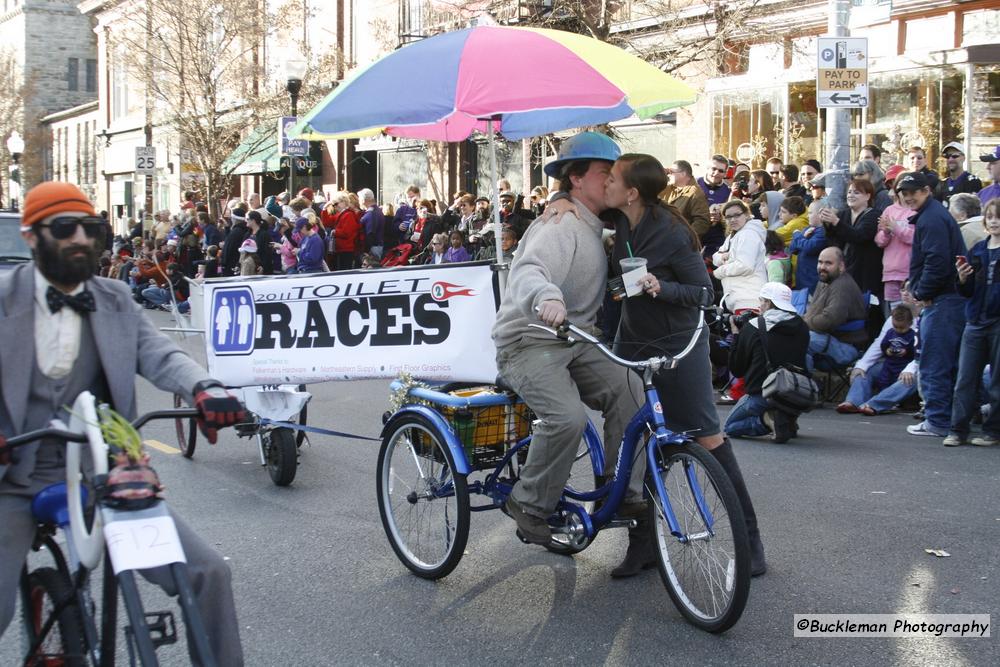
(553,378)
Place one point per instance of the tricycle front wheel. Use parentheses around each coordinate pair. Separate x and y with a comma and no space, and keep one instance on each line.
(423,502)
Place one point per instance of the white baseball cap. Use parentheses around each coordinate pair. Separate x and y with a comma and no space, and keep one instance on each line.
(954,144)
(779,294)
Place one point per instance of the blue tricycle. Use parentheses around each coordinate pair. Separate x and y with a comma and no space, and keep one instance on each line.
(442,445)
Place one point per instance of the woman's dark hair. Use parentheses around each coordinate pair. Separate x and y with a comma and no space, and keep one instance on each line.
(794,205)
(763,179)
(863,186)
(773,242)
(645,174)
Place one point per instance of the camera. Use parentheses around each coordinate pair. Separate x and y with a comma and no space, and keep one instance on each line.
(743,318)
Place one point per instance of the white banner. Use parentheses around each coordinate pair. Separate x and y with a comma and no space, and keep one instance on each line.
(432,322)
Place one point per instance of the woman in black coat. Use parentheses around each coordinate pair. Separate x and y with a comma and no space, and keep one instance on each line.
(854,229)
(661,319)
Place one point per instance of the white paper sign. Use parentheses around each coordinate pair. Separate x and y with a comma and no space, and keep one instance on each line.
(139,544)
(631,280)
(432,322)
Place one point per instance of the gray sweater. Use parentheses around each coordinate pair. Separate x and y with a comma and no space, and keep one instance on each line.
(561,260)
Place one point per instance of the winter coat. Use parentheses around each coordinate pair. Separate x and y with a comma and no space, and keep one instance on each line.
(787,342)
(787,230)
(690,201)
(774,200)
(806,246)
(984,299)
(348,231)
(835,304)
(743,272)
(288,259)
(311,254)
(896,245)
(936,241)
(238,233)
(459,254)
(861,255)
(972,230)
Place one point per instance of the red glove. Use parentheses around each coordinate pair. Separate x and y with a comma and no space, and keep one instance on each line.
(218,409)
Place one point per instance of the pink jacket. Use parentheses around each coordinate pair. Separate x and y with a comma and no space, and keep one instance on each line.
(897,244)
(288,259)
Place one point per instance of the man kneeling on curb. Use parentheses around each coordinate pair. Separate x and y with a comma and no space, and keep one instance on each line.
(787,339)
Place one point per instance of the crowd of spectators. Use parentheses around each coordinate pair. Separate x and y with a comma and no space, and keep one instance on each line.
(912,251)
(899,290)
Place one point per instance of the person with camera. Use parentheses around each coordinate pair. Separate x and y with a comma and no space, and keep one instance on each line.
(786,336)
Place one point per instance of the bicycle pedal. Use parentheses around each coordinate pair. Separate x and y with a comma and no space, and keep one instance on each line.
(621,523)
(162,628)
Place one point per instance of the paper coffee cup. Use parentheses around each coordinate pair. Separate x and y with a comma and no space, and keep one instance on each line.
(633,269)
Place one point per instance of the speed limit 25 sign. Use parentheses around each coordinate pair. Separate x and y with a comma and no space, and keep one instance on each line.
(145,160)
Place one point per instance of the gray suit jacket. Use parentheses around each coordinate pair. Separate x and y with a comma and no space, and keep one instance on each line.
(128,344)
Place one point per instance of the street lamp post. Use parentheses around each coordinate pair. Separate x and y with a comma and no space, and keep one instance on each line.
(295,70)
(15,146)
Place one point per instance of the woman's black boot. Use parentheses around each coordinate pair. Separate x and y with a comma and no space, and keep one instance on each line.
(727,459)
(641,554)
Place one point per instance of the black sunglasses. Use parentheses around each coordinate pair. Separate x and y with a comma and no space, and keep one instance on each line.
(65,226)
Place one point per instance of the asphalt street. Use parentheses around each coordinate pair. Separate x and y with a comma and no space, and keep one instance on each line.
(846,510)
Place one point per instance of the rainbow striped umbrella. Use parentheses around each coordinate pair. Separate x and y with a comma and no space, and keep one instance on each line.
(522,82)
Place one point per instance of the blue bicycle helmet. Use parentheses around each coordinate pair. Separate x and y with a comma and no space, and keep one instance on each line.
(584,146)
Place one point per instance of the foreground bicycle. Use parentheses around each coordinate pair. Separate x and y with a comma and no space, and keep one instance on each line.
(437,440)
(60,622)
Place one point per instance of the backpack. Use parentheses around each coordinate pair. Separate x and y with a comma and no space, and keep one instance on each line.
(398,256)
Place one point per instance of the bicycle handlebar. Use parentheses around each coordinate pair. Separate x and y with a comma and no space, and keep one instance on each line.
(71,436)
(652,364)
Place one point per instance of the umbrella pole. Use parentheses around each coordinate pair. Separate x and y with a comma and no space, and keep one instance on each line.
(501,267)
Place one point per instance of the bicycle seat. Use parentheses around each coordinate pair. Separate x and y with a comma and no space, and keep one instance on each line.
(49,504)
(502,385)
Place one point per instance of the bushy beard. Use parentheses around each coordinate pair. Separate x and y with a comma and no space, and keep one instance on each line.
(63,266)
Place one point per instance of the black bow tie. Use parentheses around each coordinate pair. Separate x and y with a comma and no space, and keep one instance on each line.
(81,303)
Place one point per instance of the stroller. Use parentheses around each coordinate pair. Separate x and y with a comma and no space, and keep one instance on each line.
(398,256)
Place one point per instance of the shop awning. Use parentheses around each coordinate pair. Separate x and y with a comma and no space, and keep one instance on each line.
(257,153)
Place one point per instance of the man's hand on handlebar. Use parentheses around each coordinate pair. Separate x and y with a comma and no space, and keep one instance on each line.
(218,409)
(552,312)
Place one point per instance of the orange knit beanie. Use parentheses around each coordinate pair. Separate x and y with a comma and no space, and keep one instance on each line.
(53,197)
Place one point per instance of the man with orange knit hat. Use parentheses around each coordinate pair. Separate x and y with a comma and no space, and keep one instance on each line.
(58,350)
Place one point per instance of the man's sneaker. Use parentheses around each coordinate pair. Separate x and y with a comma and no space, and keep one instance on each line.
(923,428)
(985,440)
(725,399)
(954,440)
(533,529)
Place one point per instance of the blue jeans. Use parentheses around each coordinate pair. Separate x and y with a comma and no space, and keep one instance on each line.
(841,353)
(941,326)
(745,419)
(159,296)
(862,390)
(980,346)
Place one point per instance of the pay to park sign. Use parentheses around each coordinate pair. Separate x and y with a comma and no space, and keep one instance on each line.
(842,72)
(430,322)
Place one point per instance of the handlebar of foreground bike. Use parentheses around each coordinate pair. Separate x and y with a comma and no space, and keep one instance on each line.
(71,436)
(572,334)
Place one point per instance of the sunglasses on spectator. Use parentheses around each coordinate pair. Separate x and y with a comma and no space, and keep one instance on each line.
(774,173)
(64,227)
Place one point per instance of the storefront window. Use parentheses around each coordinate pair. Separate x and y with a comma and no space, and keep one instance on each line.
(915,108)
(744,124)
(803,136)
